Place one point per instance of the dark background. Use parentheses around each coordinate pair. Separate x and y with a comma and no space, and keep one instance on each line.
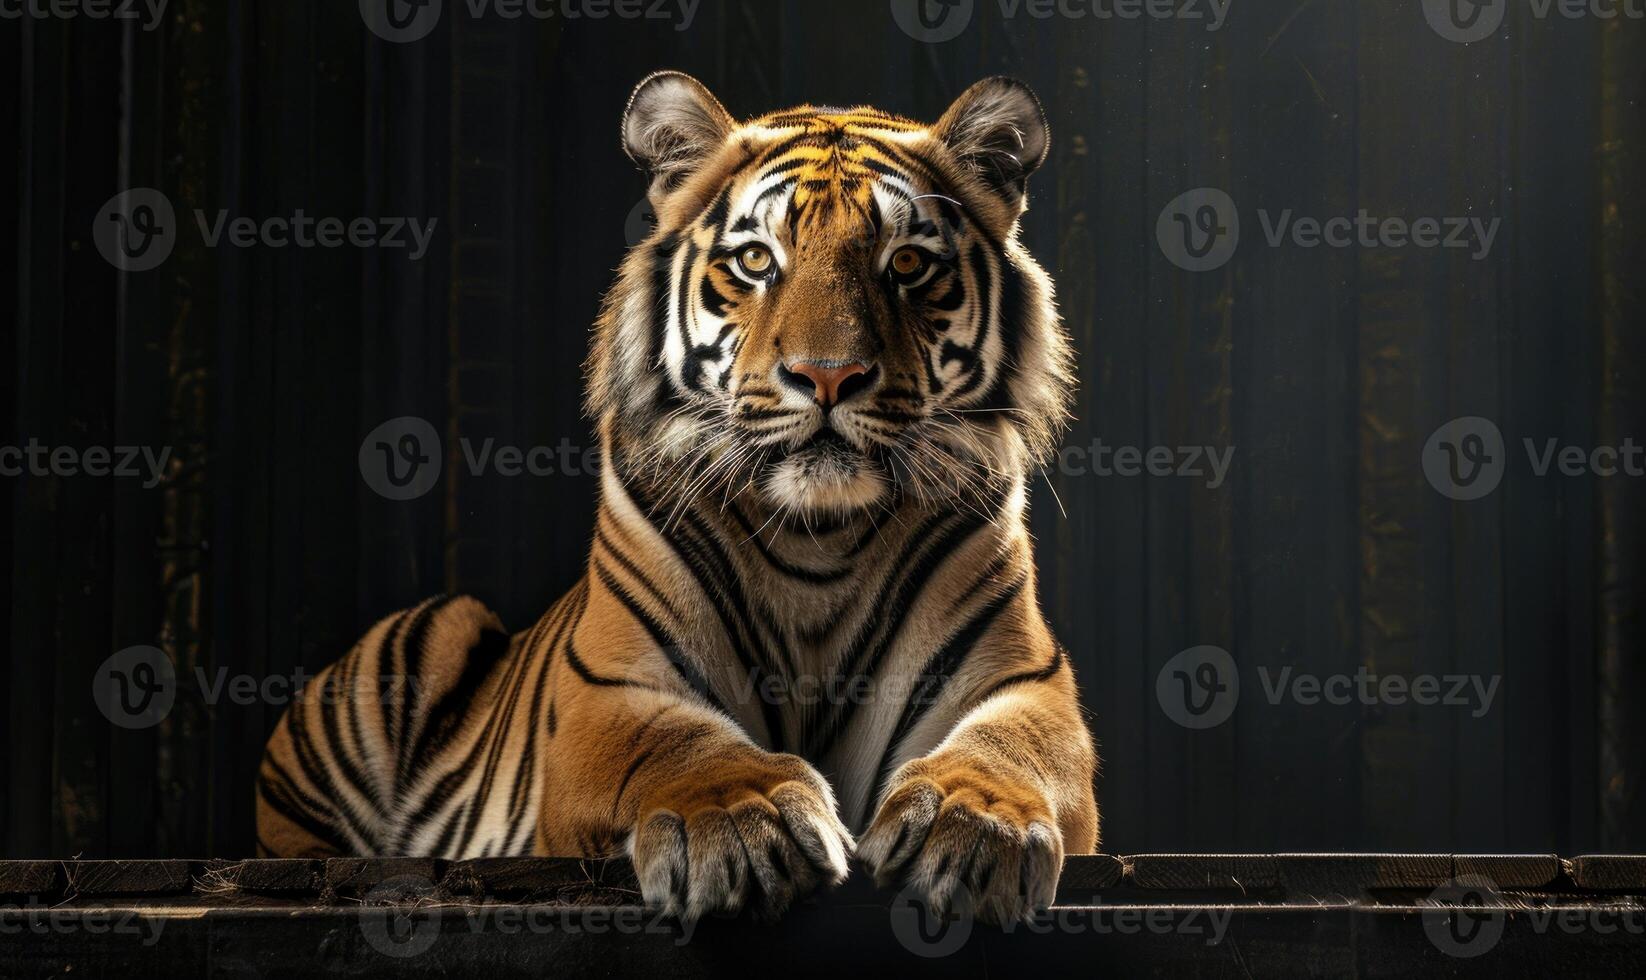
(1326,368)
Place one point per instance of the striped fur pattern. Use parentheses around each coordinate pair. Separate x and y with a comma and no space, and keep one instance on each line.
(808,627)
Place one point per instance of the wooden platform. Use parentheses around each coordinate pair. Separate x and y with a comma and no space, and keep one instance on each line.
(1358,915)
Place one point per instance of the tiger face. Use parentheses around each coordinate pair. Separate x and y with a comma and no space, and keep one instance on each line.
(833,311)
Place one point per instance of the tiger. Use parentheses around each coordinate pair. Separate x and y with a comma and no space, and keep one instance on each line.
(807,633)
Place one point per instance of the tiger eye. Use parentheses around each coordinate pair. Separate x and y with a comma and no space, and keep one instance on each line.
(907,261)
(755,260)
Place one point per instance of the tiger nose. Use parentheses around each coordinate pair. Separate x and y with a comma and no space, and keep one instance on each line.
(828,383)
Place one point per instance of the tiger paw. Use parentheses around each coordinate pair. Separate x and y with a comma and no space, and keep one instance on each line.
(965,841)
(754,835)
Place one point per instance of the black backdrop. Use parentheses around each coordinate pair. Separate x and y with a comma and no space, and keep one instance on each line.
(263,369)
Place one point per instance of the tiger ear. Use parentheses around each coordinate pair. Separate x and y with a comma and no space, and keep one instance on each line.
(671,126)
(998,130)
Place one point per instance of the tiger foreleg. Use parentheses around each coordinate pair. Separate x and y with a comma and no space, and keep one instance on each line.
(982,823)
(714,824)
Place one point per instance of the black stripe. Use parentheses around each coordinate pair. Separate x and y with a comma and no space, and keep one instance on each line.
(718,581)
(289,800)
(318,774)
(717,213)
(665,642)
(652,591)
(926,553)
(683,300)
(1046,673)
(328,706)
(443,790)
(411,662)
(786,568)
(1013,314)
(985,317)
(443,844)
(575,662)
(934,676)
(774,190)
(662,271)
(449,712)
